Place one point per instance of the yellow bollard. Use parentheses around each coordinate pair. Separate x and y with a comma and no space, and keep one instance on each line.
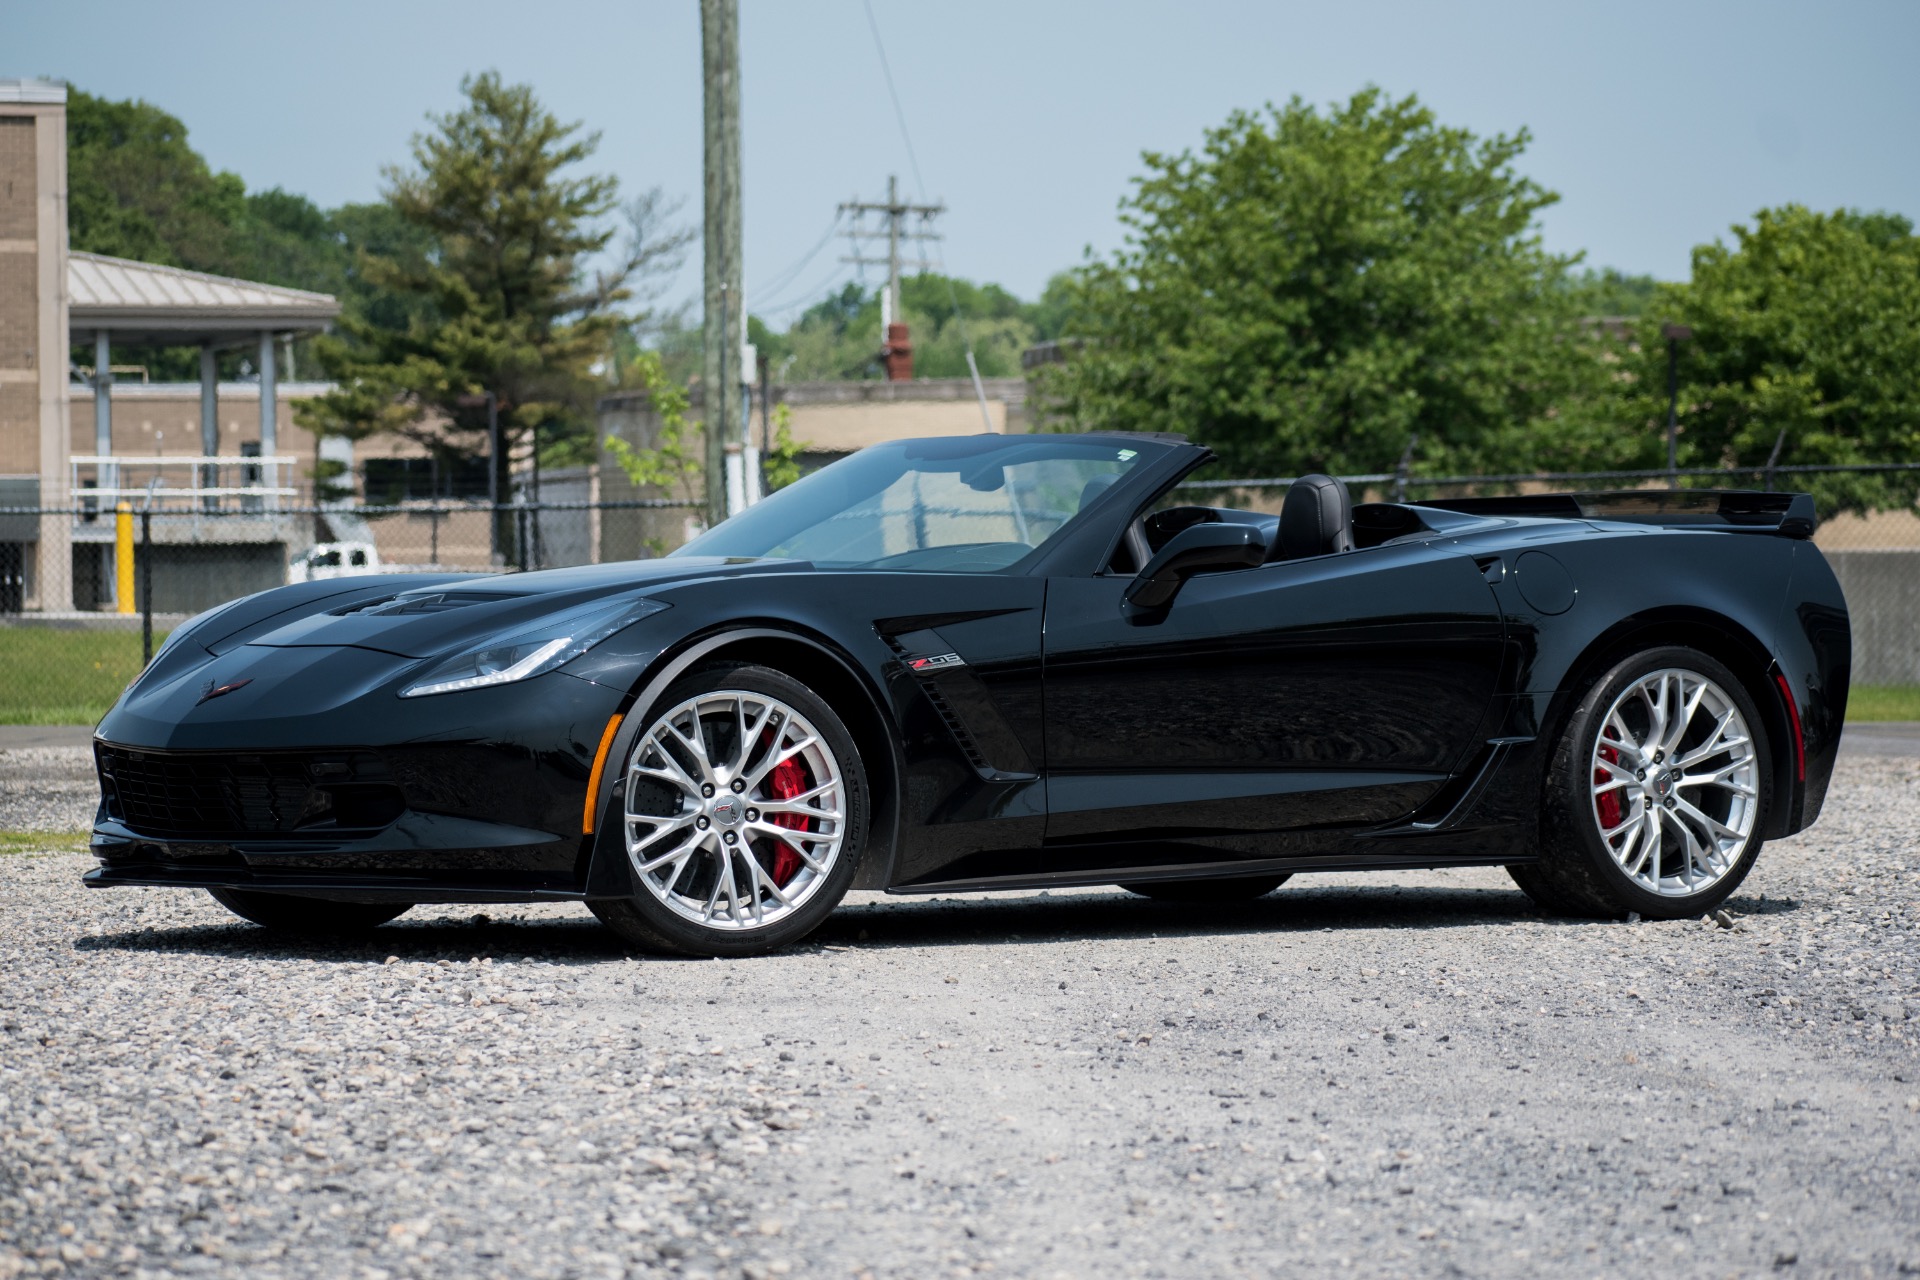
(123,558)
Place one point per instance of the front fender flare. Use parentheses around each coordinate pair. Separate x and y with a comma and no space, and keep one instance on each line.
(610,875)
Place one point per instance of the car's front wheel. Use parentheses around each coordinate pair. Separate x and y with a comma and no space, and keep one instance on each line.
(1656,797)
(316,917)
(744,816)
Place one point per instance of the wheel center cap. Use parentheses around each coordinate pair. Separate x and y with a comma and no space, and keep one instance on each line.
(1663,784)
(726,811)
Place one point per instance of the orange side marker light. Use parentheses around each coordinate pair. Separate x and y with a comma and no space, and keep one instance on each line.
(593,779)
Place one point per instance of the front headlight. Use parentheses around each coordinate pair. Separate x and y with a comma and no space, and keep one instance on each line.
(532,652)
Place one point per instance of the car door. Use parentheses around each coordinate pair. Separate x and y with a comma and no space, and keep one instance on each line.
(1338,690)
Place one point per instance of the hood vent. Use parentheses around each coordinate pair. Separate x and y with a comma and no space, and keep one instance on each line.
(438,602)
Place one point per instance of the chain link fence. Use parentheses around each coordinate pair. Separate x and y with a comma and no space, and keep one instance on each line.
(88,592)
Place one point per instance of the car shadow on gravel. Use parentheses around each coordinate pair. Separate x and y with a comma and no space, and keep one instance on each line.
(1058,916)
(581,941)
(907,922)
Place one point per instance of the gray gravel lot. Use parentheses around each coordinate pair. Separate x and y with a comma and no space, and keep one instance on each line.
(1384,1074)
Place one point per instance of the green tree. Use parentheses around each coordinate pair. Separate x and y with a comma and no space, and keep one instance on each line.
(839,337)
(1806,334)
(137,189)
(1311,290)
(1612,294)
(493,270)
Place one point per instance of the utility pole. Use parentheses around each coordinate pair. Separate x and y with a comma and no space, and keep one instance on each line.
(1675,334)
(720,391)
(897,349)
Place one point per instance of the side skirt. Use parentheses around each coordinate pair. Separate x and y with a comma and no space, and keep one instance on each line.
(1235,869)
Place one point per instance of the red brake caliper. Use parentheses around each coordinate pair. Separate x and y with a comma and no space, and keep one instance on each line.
(1607,803)
(788,779)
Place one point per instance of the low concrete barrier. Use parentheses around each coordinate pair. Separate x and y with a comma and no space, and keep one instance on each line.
(1883,595)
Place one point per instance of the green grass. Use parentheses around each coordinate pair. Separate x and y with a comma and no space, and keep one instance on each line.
(42,842)
(50,676)
(1884,702)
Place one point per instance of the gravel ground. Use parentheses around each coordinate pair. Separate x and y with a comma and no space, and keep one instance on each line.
(1409,1074)
(47,789)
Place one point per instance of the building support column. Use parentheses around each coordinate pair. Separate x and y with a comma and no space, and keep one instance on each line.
(209,402)
(102,393)
(209,422)
(108,473)
(269,412)
(269,398)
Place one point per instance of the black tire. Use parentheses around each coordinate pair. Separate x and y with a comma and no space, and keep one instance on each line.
(311,917)
(646,921)
(1231,889)
(1577,873)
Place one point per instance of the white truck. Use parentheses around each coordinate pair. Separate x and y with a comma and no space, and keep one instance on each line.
(334,560)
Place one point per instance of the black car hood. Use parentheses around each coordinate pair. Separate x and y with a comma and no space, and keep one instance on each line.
(424,621)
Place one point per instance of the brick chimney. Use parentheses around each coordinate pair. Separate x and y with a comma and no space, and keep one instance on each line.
(897,354)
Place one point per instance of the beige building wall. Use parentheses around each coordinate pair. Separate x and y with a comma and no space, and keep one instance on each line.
(164,418)
(19,293)
(840,417)
(33,317)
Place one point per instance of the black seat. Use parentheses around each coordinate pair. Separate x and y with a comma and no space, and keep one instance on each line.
(1315,520)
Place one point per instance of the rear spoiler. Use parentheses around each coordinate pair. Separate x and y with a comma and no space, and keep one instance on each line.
(1790,515)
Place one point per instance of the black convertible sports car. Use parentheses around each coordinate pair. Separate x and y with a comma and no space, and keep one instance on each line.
(1001,662)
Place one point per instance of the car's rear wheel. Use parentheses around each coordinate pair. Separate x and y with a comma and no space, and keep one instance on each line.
(316,917)
(744,816)
(1232,889)
(1657,793)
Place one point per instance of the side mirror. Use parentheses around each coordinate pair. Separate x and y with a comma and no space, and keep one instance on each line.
(1203,548)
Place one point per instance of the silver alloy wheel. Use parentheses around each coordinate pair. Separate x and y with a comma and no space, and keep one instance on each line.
(1674,780)
(735,810)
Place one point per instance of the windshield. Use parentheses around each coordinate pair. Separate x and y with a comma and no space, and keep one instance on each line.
(971,504)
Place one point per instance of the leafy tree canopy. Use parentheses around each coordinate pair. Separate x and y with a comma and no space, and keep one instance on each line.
(137,189)
(1806,334)
(839,337)
(488,251)
(1611,294)
(1311,290)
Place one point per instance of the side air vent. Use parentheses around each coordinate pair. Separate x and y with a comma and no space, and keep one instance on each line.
(968,747)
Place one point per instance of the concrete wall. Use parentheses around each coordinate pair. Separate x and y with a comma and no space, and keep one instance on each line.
(1883,596)
(189,578)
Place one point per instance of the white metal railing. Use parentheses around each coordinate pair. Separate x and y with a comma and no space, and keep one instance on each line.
(181,481)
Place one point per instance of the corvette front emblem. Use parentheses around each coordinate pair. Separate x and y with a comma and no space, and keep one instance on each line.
(210,690)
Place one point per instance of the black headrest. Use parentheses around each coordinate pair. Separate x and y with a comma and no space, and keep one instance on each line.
(1316,519)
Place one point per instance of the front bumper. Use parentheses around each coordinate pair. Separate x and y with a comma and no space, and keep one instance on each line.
(421,857)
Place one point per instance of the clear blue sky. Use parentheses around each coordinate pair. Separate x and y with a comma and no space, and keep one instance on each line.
(1659,123)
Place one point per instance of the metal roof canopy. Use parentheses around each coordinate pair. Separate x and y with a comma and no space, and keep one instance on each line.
(141,303)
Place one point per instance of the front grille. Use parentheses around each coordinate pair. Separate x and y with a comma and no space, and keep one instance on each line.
(212,794)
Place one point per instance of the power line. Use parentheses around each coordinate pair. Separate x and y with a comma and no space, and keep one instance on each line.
(906,136)
(813,293)
(786,277)
(899,113)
